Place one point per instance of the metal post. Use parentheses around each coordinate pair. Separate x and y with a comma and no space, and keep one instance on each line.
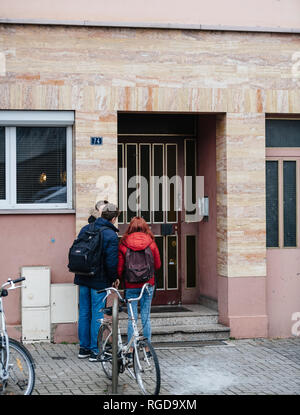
(115,370)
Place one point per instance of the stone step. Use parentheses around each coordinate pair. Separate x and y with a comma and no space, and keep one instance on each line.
(200,323)
(188,333)
(166,321)
(198,315)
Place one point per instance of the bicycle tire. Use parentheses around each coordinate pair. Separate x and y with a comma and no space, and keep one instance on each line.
(21,378)
(115,361)
(104,342)
(148,377)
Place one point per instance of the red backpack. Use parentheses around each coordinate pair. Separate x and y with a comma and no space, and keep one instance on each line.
(139,265)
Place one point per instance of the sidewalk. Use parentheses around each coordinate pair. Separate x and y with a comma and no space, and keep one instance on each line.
(236,367)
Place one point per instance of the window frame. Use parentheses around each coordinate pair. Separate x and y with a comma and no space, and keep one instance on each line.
(162,145)
(186,262)
(175,184)
(279,205)
(167,237)
(281,154)
(13,119)
(190,217)
(150,178)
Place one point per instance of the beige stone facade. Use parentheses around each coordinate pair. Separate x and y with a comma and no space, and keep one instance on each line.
(97,72)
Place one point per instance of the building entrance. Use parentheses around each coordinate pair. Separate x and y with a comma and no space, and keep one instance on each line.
(153,172)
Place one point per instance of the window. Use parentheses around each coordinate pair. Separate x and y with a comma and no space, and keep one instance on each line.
(191,260)
(272,203)
(143,183)
(282,133)
(289,203)
(282,182)
(35,159)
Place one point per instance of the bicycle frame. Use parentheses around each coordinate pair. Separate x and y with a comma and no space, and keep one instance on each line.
(4,345)
(135,336)
(4,340)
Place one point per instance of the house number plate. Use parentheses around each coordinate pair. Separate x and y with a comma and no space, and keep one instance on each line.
(96,141)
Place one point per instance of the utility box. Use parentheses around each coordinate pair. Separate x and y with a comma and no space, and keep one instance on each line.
(64,303)
(36,324)
(36,292)
(36,304)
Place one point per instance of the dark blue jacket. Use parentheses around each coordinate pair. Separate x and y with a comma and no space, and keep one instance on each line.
(110,244)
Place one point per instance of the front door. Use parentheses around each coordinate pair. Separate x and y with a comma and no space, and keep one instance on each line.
(143,163)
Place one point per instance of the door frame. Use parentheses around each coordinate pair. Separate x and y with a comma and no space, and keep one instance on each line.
(165,295)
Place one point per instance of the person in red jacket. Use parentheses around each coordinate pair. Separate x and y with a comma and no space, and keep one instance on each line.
(138,237)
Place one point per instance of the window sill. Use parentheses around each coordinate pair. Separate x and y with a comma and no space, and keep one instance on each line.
(36,211)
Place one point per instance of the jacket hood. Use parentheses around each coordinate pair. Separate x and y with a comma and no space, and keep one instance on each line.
(104,222)
(137,241)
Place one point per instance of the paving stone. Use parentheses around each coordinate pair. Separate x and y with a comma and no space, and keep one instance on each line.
(250,366)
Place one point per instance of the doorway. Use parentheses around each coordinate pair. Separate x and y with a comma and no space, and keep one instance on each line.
(144,159)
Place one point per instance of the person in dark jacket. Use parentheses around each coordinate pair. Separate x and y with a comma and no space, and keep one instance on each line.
(90,302)
(138,237)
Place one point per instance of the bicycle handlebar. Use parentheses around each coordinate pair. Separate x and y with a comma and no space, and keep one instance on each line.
(123,300)
(12,282)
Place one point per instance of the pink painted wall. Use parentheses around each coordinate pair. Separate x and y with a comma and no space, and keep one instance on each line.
(207,231)
(283,290)
(254,13)
(242,306)
(27,240)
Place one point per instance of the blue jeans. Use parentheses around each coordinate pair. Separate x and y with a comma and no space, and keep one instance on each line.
(145,310)
(88,323)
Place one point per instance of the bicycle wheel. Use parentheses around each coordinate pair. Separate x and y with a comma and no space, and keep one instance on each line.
(21,370)
(146,368)
(105,348)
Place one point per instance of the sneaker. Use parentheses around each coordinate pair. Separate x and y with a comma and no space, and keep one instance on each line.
(149,355)
(93,357)
(129,356)
(83,353)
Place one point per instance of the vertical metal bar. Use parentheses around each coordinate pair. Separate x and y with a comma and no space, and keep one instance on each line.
(69,168)
(115,370)
(121,183)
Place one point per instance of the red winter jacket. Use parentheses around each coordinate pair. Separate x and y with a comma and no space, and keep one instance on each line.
(137,241)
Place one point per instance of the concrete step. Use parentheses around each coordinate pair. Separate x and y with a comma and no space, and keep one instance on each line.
(200,323)
(187,333)
(190,333)
(198,315)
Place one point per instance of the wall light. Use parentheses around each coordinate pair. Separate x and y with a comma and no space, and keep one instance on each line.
(43,178)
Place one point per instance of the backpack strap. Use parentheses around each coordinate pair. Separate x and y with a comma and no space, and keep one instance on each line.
(102,228)
(92,227)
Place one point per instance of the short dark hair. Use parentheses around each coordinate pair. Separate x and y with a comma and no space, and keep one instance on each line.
(110,211)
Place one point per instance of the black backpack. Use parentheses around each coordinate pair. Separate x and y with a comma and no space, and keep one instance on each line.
(86,251)
(139,265)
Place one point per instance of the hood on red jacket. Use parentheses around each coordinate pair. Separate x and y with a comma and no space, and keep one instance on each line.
(137,241)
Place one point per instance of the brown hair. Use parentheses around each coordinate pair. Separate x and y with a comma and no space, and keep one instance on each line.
(137,224)
(110,211)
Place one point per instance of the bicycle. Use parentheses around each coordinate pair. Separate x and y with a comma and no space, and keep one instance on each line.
(144,360)
(17,369)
